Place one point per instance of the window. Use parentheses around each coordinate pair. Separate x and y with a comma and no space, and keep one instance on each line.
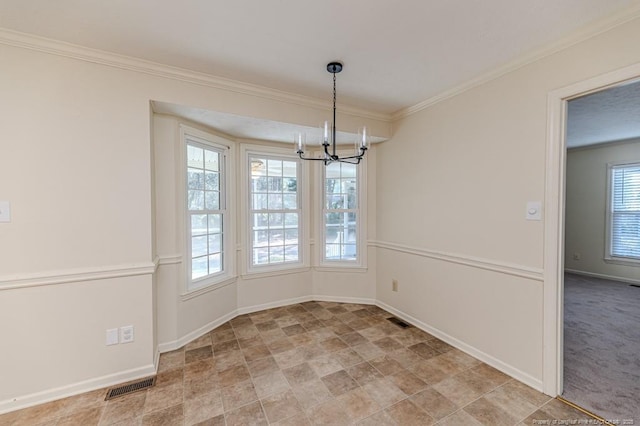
(624,212)
(206,206)
(274,210)
(341,212)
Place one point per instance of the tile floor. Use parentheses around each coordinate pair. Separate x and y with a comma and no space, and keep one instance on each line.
(313,363)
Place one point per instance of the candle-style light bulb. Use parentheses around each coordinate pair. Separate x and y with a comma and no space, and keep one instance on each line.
(299,143)
(326,132)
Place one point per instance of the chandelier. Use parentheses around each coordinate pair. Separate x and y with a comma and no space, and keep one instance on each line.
(329,139)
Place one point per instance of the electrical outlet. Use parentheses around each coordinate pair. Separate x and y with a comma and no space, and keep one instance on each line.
(576,256)
(112,337)
(394,284)
(126,334)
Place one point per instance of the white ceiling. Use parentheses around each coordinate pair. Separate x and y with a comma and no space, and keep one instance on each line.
(396,53)
(605,116)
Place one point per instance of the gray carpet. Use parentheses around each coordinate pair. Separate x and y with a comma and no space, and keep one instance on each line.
(602,347)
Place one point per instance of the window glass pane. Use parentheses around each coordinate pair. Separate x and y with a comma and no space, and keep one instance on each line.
(289,184)
(349,251)
(212,200)
(212,181)
(198,267)
(274,167)
(261,238)
(215,223)
(195,179)
(259,184)
(215,263)
(290,201)
(274,184)
(259,202)
(276,254)
(291,236)
(332,186)
(196,200)
(275,219)
(276,237)
(198,224)
(275,201)
(291,219)
(195,157)
(198,246)
(335,201)
(211,160)
(289,169)
(261,256)
(215,243)
(332,251)
(260,220)
(291,253)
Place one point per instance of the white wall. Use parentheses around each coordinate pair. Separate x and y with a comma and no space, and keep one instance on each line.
(586,206)
(451,226)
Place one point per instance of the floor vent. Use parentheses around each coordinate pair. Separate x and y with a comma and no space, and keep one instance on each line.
(130,388)
(634,285)
(399,322)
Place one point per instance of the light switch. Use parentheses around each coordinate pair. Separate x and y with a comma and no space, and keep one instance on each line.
(5,211)
(112,337)
(534,210)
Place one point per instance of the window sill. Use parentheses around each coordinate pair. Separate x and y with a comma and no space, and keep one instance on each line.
(342,268)
(207,288)
(626,261)
(255,274)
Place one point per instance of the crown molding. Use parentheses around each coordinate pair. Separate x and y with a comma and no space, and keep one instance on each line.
(578,36)
(69,50)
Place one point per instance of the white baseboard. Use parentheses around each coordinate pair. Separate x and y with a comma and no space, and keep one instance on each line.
(344,299)
(271,305)
(474,352)
(26,401)
(603,276)
(177,344)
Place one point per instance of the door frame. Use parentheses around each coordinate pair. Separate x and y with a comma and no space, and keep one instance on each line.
(553,287)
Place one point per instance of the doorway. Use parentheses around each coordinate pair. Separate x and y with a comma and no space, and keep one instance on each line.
(555,225)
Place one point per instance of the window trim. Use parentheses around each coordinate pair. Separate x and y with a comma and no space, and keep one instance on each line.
(608,256)
(303,264)
(360,264)
(227,275)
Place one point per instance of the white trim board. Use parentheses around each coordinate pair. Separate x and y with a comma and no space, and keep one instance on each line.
(603,276)
(9,282)
(535,274)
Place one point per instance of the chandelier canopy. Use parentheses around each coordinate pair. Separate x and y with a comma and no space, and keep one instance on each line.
(328,140)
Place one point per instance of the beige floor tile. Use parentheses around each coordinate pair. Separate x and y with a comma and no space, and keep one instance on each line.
(490,414)
(459,418)
(250,414)
(311,393)
(270,383)
(328,413)
(161,398)
(381,418)
(325,365)
(407,413)
(41,414)
(238,395)
(233,375)
(407,382)
(299,419)
(299,374)
(205,407)
(339,382)
(169,416)
(262,366)
(364,373)
(201,341)
(384,392)
(281,406)
(511,401)
(84,417)
(124,408)
(457,391)
(358,404)
(368,350)
(433,403)
(255,352)
(386,365)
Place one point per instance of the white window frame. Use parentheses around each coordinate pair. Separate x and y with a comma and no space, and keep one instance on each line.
(257,271)
(190,135)
(360,263)
(608,256)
